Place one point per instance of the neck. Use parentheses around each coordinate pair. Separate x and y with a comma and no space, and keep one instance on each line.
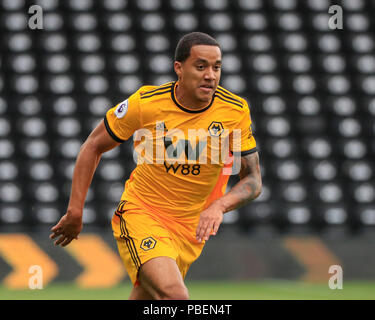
(187,100)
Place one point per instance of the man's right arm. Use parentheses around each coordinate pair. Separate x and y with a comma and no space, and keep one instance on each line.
(70,225)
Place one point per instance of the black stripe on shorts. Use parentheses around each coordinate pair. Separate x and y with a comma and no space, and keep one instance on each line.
(129,242)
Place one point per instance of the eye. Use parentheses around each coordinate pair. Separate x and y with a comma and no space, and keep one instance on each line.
(200,67)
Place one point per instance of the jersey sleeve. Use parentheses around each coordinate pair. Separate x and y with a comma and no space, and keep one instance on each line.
(124,119)
(243,139)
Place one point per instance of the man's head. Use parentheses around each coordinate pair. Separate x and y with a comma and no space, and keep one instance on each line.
(198,67)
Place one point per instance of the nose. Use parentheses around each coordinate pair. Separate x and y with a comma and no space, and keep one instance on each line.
(210,74)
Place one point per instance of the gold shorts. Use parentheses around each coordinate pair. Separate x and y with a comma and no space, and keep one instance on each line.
(141,236)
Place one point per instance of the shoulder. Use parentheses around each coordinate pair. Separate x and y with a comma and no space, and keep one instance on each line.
(152,92)
(230,98)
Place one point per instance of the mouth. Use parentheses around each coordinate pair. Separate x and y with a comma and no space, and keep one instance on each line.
(206,88)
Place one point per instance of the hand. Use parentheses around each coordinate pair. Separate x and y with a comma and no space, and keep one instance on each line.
(67,228)
(209,221)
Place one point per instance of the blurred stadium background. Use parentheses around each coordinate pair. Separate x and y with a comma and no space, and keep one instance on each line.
(311,92)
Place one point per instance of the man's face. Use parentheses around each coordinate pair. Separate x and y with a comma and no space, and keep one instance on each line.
(199,75)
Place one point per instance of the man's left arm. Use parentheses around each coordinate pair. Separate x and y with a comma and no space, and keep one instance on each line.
(248,188)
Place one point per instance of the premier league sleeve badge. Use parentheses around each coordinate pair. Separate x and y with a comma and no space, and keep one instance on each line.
(121,109)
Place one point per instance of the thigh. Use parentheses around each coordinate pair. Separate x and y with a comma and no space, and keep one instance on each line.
(162,279)
(139,293)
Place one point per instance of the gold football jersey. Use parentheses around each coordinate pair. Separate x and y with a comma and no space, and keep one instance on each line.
(184,156)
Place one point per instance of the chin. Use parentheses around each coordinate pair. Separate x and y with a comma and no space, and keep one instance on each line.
(205,100)
(205,97)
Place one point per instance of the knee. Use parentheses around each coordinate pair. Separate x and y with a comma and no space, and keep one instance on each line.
(173,292)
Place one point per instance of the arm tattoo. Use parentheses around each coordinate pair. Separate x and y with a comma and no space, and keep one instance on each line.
(249,165)
(250,184)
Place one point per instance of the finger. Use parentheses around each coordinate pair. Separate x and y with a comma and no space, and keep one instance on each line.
(201,229)
(66,241)
(55,234)
(61,239)
(215,228)
(56,227)
(207,231)
(198,230)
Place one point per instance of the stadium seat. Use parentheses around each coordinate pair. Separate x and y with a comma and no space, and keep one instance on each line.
(121,42)
(47,5)
(53,21)
(185,22)
(52,42)
(118,22)
(13,214)
(115,5)
(249,5)
(149,5)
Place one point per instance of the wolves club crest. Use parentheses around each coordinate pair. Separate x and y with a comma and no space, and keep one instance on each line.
(215,128)
(148,243)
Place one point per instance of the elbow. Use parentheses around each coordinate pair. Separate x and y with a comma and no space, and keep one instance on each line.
(253,187)
(257,188)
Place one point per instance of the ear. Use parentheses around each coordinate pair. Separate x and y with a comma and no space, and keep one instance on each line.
(178,68)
